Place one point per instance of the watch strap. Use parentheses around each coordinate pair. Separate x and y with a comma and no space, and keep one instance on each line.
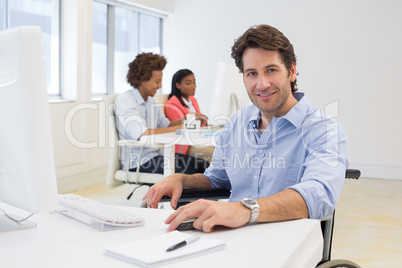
(252,204)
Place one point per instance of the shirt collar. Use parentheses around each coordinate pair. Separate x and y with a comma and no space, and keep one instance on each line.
(137,96)
(298,112)
(187,102)
(295,115)
(254,118)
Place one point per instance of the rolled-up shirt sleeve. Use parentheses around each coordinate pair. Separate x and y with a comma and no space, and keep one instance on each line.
(324,169)
(163,121)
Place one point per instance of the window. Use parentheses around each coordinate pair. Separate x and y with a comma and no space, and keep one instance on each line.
(42,13)
(119,33)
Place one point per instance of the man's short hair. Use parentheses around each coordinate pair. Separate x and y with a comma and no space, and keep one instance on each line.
(140,69)
(268,38)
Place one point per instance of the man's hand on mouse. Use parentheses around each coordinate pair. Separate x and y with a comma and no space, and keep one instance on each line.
(209,214)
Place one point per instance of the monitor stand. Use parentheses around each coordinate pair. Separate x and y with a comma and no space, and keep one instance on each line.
(7,224)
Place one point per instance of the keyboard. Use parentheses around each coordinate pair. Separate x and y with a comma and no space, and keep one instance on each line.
(97,214)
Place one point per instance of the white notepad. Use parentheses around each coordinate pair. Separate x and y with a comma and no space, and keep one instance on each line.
(151,252)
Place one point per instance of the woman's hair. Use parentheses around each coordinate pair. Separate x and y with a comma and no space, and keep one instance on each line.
(268,38)
(140,69)
(177,78)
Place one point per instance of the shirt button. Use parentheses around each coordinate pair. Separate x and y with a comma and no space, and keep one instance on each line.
(255,177)
(260,151)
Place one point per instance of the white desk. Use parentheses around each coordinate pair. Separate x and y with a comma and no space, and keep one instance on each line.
(59,241)
(170,139)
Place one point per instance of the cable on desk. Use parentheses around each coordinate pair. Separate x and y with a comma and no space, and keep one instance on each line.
(18,221)
(131,194)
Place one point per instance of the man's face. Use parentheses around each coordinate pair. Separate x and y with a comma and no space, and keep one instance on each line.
(267,81)
(150,87)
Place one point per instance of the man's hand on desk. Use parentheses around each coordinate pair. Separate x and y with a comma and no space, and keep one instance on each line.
(210,214)
(171,186)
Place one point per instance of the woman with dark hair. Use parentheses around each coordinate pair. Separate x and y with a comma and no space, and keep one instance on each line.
(181,100)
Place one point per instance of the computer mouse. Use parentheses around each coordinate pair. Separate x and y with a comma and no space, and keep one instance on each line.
(186,225)
(144,204)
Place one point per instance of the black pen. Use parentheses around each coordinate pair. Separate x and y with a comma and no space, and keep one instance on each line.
(183,243)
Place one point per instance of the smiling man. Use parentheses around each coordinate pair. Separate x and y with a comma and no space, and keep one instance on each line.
(281,158)
(137,114)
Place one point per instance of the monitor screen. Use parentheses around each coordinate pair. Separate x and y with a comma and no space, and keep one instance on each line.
(27,173)
(229,94)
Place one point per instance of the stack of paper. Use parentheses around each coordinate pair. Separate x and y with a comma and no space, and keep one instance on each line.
(152,252)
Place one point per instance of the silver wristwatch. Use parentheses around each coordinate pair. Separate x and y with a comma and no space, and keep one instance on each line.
(251,204)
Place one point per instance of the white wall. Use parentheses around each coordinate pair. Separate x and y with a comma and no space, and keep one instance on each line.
(349,55)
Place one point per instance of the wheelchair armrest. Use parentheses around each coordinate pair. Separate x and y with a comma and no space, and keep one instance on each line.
(194,194)
(352,174)
(221,193)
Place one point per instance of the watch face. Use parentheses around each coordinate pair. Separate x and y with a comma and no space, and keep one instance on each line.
(250,202)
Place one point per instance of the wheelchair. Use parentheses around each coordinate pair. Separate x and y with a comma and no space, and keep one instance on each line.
(327,224)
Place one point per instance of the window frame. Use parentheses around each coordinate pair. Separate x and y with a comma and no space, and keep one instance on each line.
(56,4)
(111,5)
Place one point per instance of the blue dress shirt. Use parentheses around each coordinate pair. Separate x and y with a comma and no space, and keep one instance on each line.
(303,150)
(133,117)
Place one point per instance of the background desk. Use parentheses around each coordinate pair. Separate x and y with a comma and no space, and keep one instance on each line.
(170,139)
(59,241)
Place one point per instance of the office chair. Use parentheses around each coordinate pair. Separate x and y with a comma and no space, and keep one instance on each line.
(115,174)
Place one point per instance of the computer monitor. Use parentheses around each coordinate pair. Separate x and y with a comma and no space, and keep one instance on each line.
(229,94)
(27,171)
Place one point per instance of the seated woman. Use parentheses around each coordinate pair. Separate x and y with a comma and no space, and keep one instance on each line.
(181,100)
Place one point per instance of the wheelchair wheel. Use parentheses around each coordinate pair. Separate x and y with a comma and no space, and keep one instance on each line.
(339,264)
